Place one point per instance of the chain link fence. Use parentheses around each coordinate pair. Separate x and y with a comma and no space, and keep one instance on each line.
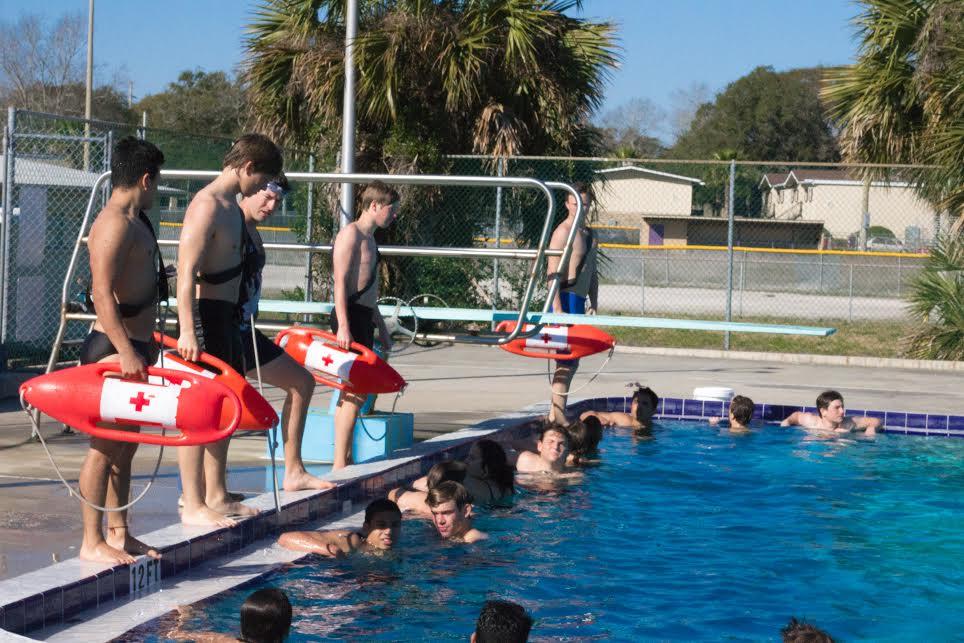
(804,242)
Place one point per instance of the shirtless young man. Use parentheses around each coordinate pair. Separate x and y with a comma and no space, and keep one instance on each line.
(552,448)
(355,267)
(209,276)
(640,416)
(831,417)
(451,508)
(379,532)
(276,367)
(580,282)
(127,280)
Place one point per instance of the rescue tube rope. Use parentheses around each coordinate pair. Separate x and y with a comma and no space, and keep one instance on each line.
(34,415)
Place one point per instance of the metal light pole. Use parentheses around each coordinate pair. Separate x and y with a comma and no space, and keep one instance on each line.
(348,113)
(88,98)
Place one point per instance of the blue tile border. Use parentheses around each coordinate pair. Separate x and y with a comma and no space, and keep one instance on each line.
(675,408)
(53,605)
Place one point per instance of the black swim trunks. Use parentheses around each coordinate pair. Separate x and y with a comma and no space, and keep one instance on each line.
(97,346)
(217,326)
(360,323)
(268,351)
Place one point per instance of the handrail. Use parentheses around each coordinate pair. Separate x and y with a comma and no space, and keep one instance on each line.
(398,179)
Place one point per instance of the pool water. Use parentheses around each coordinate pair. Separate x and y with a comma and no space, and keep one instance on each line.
(692,535)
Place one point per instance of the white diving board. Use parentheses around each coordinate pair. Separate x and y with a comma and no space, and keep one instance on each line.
(428,313)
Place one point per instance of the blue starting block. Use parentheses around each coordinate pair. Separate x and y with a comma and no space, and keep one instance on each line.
(376,435)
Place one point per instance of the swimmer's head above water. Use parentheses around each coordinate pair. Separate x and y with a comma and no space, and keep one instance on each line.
(451,507)
(383,524)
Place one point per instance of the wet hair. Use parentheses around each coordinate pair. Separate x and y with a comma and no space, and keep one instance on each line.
(641,392)
(742,409)
(282,182)
(380,193)
(449,470)
(594,432)
(583,188)
(378,506)
(578,439)
(502,622)
(825,398)
(553,427)
(448,491)
(131,159)
(496,464)
(797,632)
(265,617)
(261,151)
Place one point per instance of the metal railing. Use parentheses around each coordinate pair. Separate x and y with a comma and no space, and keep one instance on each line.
(537,256)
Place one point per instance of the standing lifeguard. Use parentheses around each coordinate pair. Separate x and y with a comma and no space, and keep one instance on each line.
(209,270)
(127,281)
(264,357)
(580,282)
(355,268)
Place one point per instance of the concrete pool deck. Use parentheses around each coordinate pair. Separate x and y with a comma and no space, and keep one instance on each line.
(449,388)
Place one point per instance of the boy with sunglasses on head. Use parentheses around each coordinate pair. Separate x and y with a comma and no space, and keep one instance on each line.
(264,357)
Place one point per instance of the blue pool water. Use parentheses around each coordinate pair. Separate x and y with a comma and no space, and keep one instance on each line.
(692,535)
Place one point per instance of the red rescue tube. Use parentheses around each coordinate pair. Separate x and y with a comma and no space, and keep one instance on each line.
(202,410)
(557,341)
(358,370)
(256,413)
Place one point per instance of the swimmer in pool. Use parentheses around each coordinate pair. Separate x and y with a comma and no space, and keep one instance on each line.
(832,417)
(502,622)
(584,437)
(412,498)
(451,507)
(265,616)
(488,475)
(552,448)
(741,410)
(379,532)
(640,416)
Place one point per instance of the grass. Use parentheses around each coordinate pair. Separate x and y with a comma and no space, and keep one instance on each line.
(871,338)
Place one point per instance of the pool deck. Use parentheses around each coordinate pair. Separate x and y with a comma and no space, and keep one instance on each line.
(449,388)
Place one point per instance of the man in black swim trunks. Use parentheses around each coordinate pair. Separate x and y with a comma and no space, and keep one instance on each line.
(270,361)
(355,267)
(209,268)
(126,283)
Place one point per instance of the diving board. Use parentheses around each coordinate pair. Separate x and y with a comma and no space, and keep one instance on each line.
(481,315)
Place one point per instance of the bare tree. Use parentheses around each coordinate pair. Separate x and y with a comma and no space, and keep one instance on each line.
(684,103)
(40,61)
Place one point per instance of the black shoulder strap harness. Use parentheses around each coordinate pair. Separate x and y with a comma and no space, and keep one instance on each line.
(371,280)
(161,291)
(224,276)
(569,283)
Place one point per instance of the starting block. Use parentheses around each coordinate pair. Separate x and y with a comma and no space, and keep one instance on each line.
(376,435)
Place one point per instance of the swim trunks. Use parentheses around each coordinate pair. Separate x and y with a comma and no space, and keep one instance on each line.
(217,326)
(97,346)
(268,351)
(360,323)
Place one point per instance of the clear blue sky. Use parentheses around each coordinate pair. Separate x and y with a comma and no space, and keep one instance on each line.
(667,45)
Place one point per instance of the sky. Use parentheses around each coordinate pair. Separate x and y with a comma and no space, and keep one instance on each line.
(666,46)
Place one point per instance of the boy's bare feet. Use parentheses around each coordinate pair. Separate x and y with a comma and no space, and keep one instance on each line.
(204,516)
(300,480)
(120,538)
(103,553)
(229,508)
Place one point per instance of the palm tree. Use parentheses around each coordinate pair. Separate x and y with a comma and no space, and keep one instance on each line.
(937,304)
(903,100)
(498,77)
(435,77)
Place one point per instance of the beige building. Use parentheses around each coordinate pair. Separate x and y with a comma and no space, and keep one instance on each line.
(836,198)
(625,194)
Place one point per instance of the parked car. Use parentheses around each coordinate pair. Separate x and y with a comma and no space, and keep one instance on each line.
(885,244)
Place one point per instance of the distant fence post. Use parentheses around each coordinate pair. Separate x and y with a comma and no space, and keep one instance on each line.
(729,253)
(308,216)
(850,296)
(9,151)
(500,172)
(642,281)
